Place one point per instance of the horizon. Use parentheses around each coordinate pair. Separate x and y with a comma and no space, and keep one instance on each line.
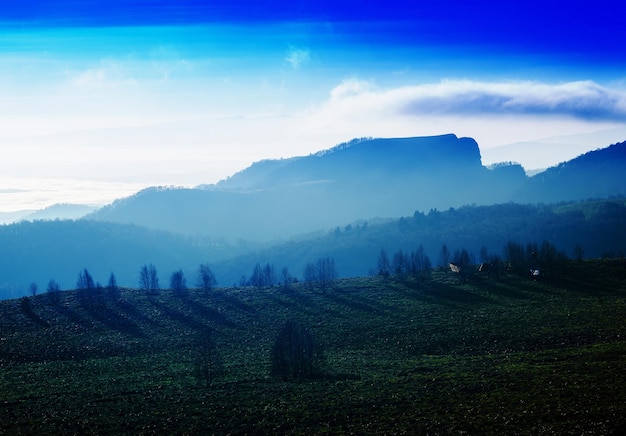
(100,101)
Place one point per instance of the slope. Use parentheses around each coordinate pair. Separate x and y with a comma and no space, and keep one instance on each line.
(430,357)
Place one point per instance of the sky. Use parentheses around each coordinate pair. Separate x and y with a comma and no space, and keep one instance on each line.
(99,99)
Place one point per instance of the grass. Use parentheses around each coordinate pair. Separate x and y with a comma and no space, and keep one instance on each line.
(491,356)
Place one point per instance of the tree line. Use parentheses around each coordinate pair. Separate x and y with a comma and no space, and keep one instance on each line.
(321,273)
(532,258)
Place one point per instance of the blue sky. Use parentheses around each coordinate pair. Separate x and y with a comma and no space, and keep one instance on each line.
(101,98)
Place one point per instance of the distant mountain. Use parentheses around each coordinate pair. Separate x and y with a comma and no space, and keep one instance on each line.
(544,153)
(61,211)
(11,217)
(596,174)
(367,178)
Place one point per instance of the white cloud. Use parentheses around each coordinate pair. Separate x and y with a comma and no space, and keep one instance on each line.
(297,57)
(581,99)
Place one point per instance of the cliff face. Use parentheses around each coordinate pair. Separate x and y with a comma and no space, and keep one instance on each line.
(349,162)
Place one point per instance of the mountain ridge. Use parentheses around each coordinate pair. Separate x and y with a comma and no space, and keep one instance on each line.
(362,179)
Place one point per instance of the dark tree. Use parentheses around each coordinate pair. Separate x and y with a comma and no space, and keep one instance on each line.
(420,264)
(322,272)
(295,354)
(310,274)
(148,279)
(287,279)
(54,293)
(33,289)
(326,273)
(401,264)
(178,283)
(444,257)
(86,287)
(269,278)
(207,360)
(206,279)
(257,279)
(383,264)
(85,281)
(579,252)
(515,257)
(112,289)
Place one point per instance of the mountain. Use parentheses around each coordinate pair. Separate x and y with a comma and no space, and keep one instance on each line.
(596,174)
(361,179)
(61,211)
(11,217)
(538,155)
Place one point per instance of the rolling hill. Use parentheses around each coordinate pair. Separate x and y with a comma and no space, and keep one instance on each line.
(504,355)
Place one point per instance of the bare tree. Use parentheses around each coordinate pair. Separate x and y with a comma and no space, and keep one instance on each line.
(383,264)
(54,293)
(85,286)
(310,274)
(287,279)
(206,279)
(269,277)
(322,272)
(263,276)
(326,273)
(85,280)
(178,283)
(148,279)
(112,289)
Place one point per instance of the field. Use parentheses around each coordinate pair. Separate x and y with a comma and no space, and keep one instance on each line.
(490,355)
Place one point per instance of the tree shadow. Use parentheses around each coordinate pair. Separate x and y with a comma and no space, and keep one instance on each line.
(177,316)
(232,301)
(27,310)
(133,313)
(113,319)
(71,315)
(357,302)
(205,312)
(453,294)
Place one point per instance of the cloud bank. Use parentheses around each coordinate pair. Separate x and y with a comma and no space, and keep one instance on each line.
(580,99)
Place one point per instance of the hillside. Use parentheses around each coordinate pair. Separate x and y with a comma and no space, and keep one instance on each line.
(40,251)
(596,174)
(496,355)
(597,228)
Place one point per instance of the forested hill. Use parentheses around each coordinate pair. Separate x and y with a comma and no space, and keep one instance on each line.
(597,174)
(589,229)
(36,252)
(363,179)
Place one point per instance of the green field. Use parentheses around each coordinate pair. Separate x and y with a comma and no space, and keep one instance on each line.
(504,355)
